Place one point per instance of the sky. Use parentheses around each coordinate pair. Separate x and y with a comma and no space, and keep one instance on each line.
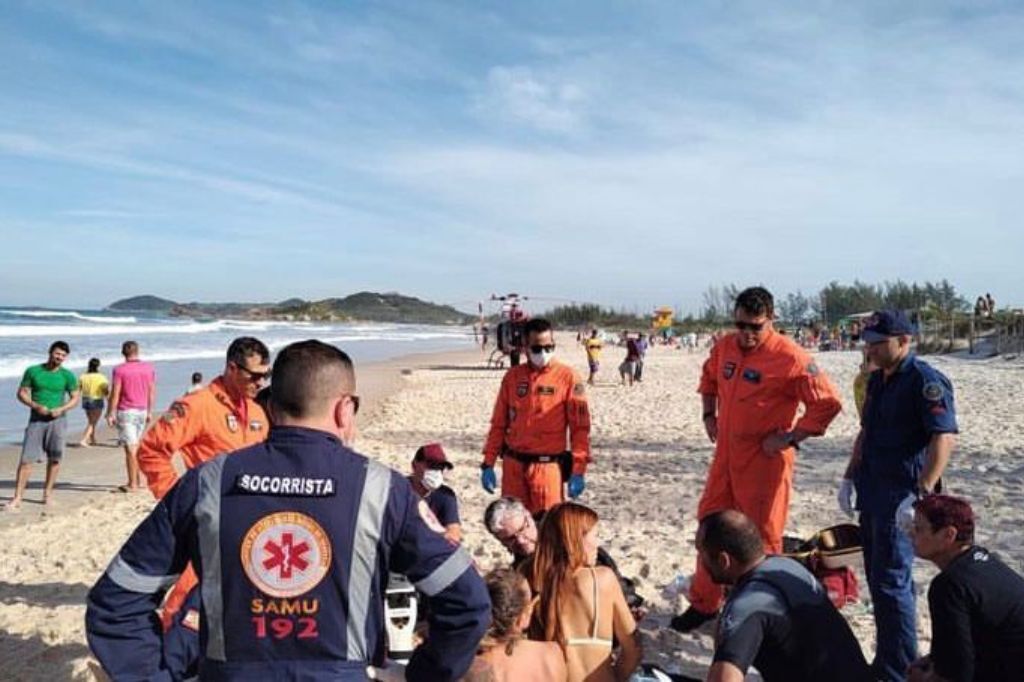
(624,153)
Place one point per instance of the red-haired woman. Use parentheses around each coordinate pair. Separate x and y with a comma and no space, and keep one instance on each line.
(581,605)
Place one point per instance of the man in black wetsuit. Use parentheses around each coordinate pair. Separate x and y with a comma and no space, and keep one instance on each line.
(976,602)
(778,617)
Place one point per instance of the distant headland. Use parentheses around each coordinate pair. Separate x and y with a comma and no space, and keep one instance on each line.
(365,306)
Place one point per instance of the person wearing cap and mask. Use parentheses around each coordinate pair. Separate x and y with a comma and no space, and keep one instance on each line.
(905,441)
(428,467)
(540,405)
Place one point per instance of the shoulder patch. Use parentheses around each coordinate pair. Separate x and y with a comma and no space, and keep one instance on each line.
(933,391)
(177,410)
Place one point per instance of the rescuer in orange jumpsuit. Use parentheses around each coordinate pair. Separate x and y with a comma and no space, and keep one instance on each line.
(537,403)
(752,385)
(220,418)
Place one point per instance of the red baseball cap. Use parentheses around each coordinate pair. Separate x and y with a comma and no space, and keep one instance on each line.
(433,455)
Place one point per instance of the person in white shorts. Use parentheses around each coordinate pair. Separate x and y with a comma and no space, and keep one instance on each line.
(131,407)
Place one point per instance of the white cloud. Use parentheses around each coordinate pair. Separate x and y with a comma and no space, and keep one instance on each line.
(520,95)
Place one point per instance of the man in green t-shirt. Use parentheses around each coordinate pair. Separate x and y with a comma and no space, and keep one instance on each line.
(43,389)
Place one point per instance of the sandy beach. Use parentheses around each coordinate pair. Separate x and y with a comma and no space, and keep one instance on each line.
(650,452)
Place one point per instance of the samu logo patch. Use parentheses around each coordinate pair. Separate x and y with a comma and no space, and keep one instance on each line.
(286,554)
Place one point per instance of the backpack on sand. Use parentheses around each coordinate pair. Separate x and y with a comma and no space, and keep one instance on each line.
(830,555)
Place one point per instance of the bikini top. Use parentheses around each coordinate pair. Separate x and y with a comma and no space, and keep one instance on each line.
(593,640)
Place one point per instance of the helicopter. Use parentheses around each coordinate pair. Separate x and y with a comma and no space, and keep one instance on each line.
(510,335)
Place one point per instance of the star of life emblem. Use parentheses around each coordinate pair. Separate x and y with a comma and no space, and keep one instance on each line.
(286,554)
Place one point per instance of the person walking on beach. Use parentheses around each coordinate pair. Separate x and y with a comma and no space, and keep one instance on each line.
(296,537)
(642,345)
(43,390)
(538,404)
(627,370)
(751,387)
(197,383)
(222,417)
(95,389)
(593,347)
(132,400)
(906,438)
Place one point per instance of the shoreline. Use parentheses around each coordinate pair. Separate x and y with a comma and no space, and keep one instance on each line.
(88,473)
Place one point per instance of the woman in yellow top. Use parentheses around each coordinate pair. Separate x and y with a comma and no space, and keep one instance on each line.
(95,388)
(860,384)
(581,605)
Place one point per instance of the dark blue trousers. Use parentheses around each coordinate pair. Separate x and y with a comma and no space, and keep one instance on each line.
(888,558)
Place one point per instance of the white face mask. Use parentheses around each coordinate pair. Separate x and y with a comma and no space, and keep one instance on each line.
(542,358)
(433,479)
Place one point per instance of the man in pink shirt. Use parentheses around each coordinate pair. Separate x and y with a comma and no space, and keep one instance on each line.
(131,400)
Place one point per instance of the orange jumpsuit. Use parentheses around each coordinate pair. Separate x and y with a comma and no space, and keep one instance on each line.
(200,426)
(533,411)
(758,394)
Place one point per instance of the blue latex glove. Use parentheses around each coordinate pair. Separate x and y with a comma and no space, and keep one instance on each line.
(576,485)
(488,479)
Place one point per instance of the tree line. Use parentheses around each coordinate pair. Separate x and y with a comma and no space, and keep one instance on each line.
(827,307)
(836,301)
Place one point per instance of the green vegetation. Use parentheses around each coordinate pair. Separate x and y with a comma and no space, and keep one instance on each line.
(836,301)
(591,315)
(366,305)
(363,306)
(143,304)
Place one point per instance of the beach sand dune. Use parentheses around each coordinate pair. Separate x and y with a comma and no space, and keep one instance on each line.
(650,454)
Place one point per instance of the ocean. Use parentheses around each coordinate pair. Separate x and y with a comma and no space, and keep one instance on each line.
(178,347)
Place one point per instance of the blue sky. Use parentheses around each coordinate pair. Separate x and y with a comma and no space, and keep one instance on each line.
(629,153)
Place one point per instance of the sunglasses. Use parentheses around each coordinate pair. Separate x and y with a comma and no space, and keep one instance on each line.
(355,402)
(749,326)
(538,348)
(254,377)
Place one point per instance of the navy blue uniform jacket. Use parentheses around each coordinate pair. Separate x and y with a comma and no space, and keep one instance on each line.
(292,540)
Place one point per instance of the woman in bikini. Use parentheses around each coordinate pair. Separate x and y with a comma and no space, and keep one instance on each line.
(505,655)
(581,606)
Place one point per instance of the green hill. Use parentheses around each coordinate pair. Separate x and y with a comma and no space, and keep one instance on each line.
(363,306)
(143,304)
(366,305)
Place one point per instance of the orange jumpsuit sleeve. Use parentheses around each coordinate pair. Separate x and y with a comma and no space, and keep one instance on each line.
(709,374)
(499,424)
(178,427)
(578,416)
(816,392)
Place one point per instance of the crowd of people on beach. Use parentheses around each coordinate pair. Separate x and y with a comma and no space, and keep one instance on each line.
(273,561)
